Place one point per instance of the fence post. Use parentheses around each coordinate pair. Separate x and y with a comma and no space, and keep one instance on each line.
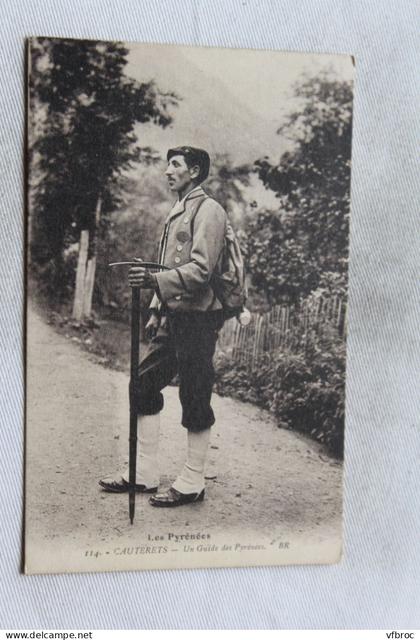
(283,326)
(81,275)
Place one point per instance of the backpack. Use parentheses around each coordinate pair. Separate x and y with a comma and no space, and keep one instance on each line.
(228,280)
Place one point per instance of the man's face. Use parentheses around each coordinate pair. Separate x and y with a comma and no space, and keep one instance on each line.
(179,176)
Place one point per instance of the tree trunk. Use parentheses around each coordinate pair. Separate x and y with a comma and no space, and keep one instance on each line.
(81,275)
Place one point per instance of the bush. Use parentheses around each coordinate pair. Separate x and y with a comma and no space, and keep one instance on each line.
(305,391)
(55,279)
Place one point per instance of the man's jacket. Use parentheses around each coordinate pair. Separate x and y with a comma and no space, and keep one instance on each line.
(192,251)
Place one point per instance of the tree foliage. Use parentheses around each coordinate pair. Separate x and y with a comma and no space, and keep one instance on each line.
(289,249)
(83,110)
(225,183)
(133,230)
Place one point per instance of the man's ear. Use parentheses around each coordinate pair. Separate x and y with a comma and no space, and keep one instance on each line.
(194,171)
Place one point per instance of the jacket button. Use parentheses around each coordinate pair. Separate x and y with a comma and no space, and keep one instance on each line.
(179,247)
(186,220)
(177,259)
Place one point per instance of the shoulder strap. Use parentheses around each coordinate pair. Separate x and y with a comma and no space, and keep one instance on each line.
(195,206)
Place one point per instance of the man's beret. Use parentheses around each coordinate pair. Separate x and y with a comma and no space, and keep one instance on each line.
(193,156)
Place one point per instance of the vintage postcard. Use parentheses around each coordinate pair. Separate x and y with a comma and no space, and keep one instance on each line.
(188,220)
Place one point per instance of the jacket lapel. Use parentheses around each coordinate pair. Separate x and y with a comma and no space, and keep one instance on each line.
(179,207)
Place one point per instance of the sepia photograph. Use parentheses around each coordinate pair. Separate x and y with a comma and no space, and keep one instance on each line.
(188,214)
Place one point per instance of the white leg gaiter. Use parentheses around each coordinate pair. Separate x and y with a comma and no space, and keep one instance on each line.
(191,478)
(147,472)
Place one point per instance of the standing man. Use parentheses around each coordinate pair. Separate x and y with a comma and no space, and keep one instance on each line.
(185,317)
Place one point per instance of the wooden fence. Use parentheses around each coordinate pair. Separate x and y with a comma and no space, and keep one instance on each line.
(288,327)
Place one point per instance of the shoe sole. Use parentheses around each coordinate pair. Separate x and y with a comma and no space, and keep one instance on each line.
(179,503)
(126,489)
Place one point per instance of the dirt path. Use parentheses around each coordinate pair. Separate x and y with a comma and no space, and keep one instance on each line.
(263,479)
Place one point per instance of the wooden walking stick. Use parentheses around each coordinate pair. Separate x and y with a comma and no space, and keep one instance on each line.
(134,365)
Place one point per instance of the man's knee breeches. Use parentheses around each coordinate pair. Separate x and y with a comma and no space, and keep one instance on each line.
(156,370)
(188,352)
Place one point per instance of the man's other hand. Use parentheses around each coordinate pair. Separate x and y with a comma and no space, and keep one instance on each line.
(152,326)
(140,277)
